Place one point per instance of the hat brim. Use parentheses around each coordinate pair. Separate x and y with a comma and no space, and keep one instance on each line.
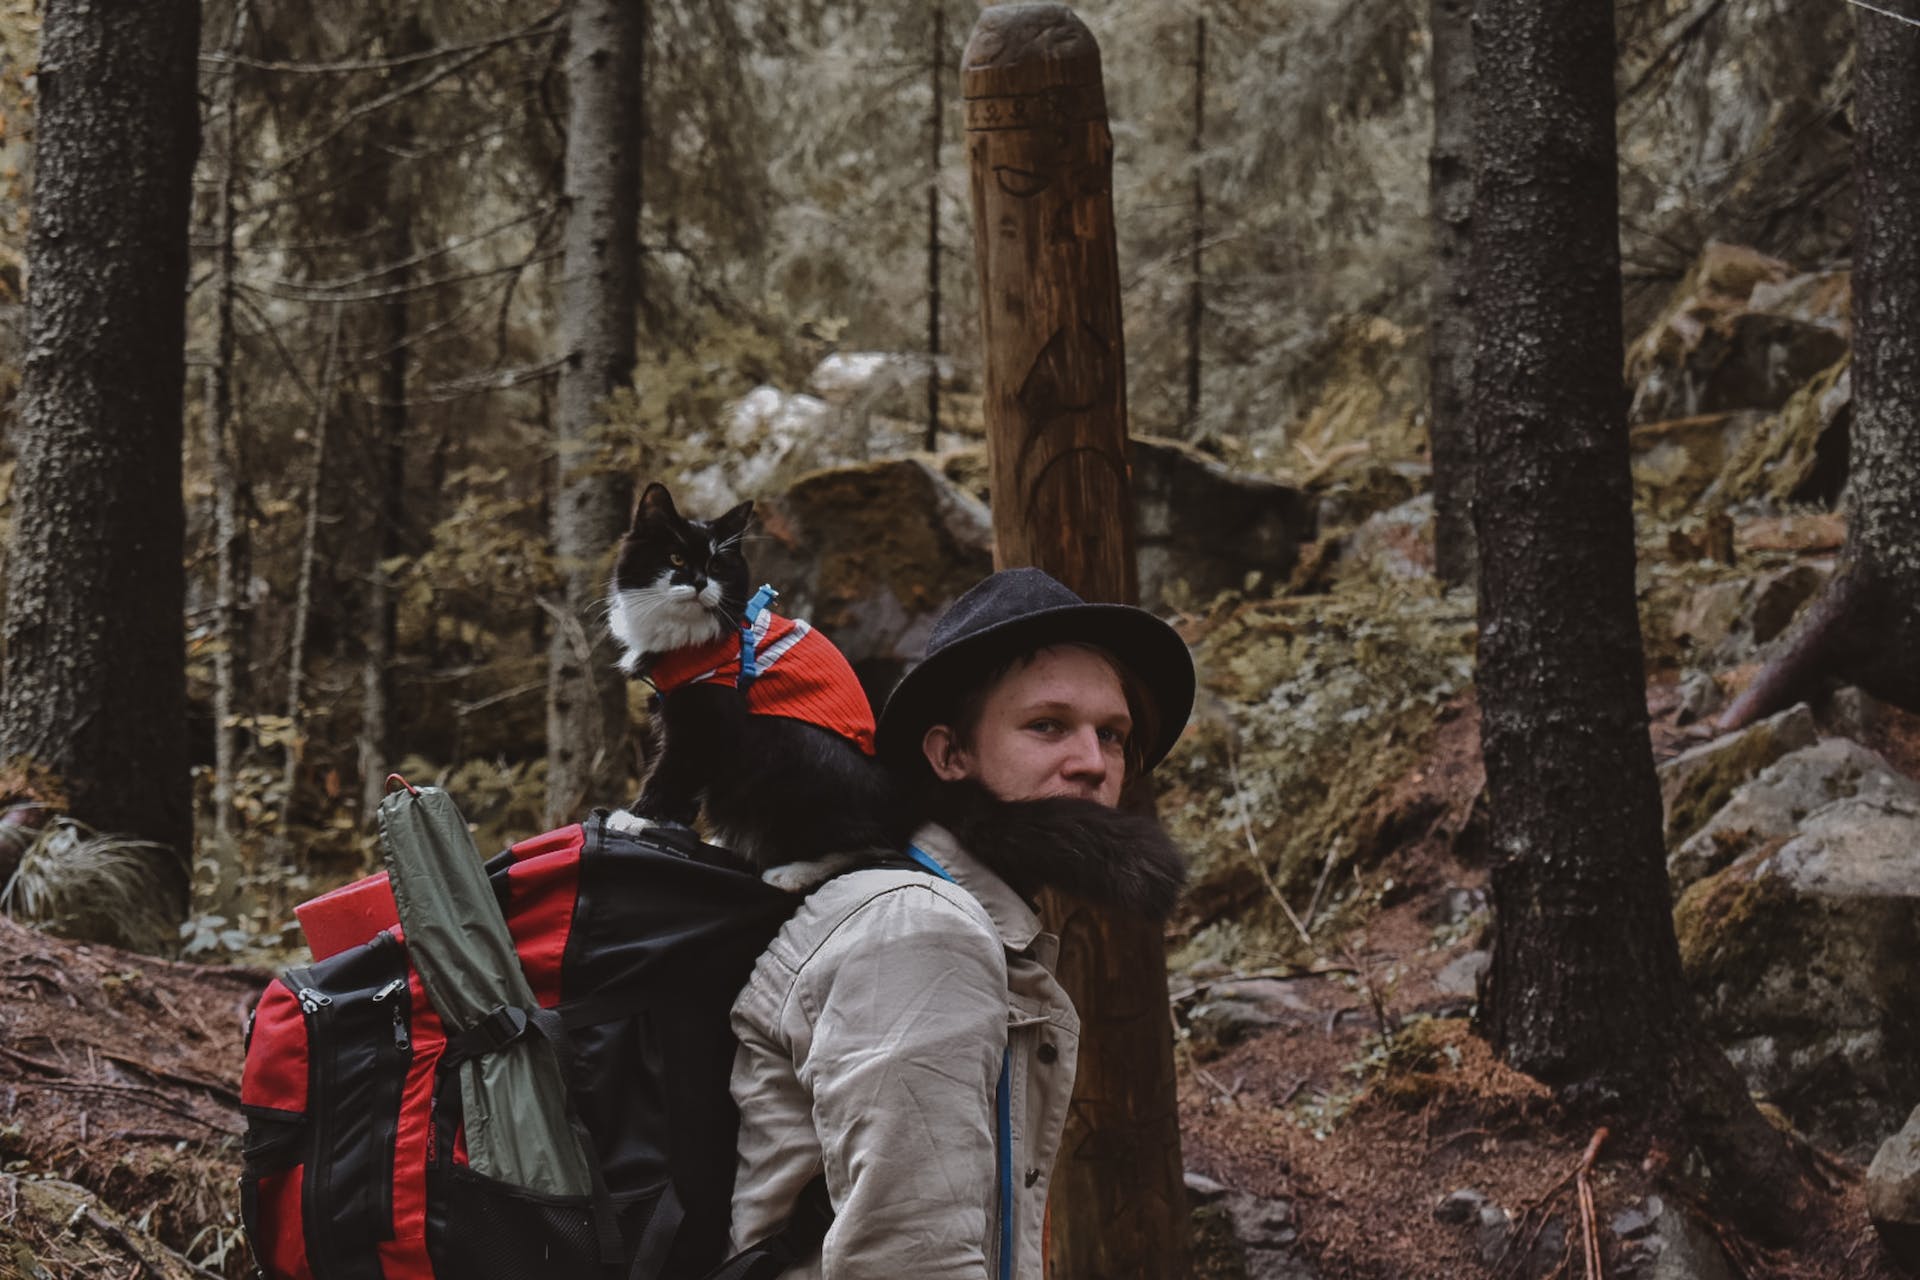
(1152,651)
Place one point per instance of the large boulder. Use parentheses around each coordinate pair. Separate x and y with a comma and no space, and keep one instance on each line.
(1798,454)
(1769,809)
(1743,331)
(1805,953)
(1893,1193)
(1696,783)
(872,554)
(1201,528)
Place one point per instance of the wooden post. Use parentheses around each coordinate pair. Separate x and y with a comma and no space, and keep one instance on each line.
(1041,164)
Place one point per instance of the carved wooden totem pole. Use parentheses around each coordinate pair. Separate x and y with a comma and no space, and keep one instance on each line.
(1041,161)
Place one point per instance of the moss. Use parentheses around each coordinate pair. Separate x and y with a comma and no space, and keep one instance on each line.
(1730,924)
(1780,459)
(1319,705)
(1712,777)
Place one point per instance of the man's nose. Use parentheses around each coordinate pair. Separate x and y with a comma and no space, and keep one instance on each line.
(1084,757)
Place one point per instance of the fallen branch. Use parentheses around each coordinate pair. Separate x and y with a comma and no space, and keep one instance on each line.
(86,1214)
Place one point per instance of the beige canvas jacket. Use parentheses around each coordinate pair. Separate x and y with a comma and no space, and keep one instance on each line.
(871,1035)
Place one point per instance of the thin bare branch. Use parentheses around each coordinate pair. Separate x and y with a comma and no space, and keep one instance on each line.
(348,66)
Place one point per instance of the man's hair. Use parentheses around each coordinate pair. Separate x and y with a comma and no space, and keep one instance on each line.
(963,711)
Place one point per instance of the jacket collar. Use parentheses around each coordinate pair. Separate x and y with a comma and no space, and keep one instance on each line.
(1015,921)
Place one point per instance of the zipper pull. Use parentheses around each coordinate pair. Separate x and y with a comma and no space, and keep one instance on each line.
(400,1038)
(389,989)
(312,1001)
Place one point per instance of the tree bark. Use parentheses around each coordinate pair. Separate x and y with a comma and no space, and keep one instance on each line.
(1865,627)
(937,75)
(1196,285)
(230,630)
(1585,990)
(96,588)
(1883,528)
(1040,159)
(303,592)
(1450,292)
(389,470)
(586,696)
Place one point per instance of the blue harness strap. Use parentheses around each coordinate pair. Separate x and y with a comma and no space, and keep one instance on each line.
(762,601)
(1002,1109)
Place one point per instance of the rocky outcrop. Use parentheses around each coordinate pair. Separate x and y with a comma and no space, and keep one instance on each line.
(1695,784)
(1769,809)
(1201,528)
(1804,952)
(1743,331)
(872,554)
(1239,1233)
(1893,1193)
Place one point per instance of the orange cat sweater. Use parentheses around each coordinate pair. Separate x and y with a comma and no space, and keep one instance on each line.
(800,675)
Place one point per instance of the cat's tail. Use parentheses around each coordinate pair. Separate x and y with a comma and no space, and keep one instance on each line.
(1078,846)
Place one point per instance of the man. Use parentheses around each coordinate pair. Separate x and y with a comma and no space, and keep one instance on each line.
(904,1035)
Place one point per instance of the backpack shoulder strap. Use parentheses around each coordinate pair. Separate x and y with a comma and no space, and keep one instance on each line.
(790,1245)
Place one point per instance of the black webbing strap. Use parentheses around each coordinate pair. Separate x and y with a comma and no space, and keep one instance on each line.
(650,1255)
(790,1245)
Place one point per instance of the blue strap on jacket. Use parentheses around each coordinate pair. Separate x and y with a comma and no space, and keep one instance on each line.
(749,669)
(1002,1107)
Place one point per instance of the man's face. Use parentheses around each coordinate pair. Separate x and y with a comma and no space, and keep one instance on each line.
(1056,725)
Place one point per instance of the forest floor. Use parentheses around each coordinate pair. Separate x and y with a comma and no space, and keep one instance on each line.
(1344,1123)
(1345,1140)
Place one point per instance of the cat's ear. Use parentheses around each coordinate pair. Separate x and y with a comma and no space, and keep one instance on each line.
(734,522)
(655,505)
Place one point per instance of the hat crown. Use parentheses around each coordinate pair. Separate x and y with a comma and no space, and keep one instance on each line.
(1000,597)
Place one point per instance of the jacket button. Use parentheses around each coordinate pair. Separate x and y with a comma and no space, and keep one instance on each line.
(1047,1053)
(1033,1176)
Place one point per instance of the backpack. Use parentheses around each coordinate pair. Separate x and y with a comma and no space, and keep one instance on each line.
(356,1165)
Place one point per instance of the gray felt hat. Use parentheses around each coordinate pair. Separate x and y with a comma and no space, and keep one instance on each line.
(1019,610)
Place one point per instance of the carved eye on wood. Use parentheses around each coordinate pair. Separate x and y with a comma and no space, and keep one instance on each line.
(1023,183)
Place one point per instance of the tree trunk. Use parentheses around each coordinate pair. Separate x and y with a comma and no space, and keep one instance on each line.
(96,588)
(1585,990)
(1450,293)
(303,592)
(1196,295)
(390,459)
(586,696)
(230,630)
(1040,159)
(1883,529)
(937,75)
(1865,628)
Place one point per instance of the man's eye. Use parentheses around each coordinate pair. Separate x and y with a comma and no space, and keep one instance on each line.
(677,561)
(1044,726)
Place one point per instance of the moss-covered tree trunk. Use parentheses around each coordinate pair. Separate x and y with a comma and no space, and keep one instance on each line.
(1450,293)
(1585,990)
(95,638)
(586,696)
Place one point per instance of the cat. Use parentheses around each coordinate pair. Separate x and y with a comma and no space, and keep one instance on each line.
(785,766)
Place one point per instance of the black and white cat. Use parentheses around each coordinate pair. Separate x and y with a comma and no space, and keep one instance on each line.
(782,759)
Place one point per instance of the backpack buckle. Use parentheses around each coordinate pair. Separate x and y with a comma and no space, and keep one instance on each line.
(491,1034)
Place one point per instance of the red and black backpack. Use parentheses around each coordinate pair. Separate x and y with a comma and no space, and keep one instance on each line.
(355,1163)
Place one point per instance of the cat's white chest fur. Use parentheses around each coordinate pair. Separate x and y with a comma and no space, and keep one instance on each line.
(662,618)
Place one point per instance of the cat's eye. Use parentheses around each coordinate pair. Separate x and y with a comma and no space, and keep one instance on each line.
(677,561)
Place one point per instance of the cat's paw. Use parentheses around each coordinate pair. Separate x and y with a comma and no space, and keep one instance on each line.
(803,877)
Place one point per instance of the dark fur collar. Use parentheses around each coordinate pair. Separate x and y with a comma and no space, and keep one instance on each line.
(1077,846)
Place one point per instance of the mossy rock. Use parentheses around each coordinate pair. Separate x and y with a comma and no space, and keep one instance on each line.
(1799,454)
(1696,783)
